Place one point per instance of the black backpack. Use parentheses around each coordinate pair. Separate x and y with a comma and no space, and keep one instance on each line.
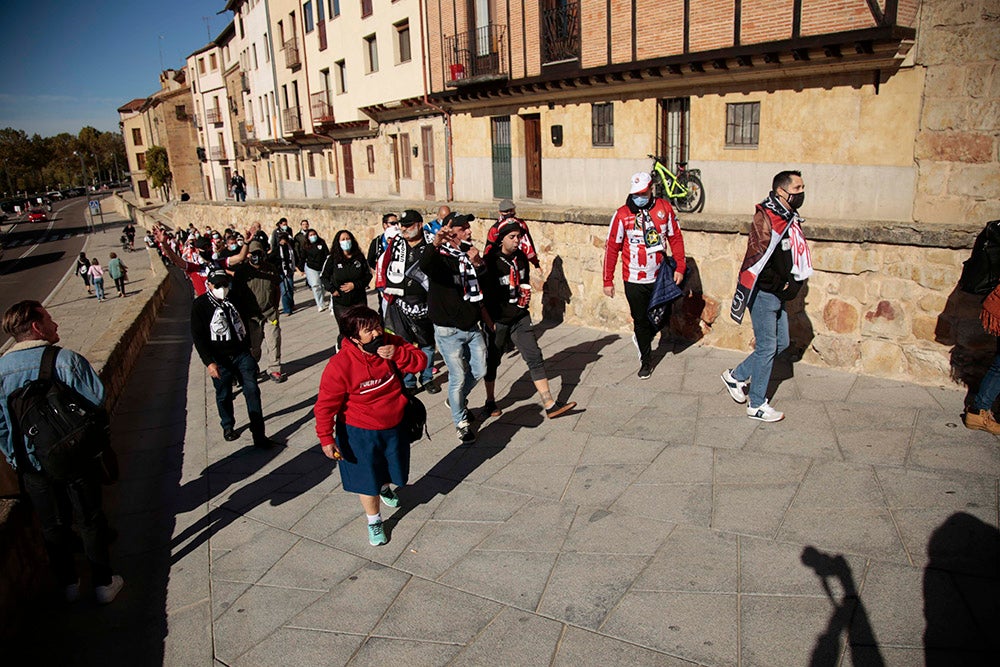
(981,272)
(68,433)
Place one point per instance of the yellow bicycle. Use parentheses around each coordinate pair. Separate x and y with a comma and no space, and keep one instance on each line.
(685,191)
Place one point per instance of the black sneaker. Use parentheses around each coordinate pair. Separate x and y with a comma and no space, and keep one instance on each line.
(645,370)
(278,377)
(229,434)
(264,443)
(466,433)
(431,387)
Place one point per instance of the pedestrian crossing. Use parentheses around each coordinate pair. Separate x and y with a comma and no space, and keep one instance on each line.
(45,239)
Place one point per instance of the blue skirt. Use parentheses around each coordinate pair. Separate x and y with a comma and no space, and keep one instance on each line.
(372,458)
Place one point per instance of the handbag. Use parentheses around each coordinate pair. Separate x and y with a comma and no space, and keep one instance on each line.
(414,422)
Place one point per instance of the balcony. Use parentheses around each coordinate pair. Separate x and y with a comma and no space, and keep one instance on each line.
(213,116)
(291,119)
(291,49)
(245,82)
(477,56)
(217,153)
(561,33)
(322,110)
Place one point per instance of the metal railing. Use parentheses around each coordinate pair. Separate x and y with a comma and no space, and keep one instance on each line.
(322,110)
(213,116)
(291,49)
(478,53)
(561,33)
(245,82)
(217,152)
(291,119)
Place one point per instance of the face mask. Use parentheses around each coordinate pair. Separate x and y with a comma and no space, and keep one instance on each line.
(219,292)
(796,200)
(313,239)
(372,346)
(232,246)
(640,200)
(345,246)
(410,232)
(256,258)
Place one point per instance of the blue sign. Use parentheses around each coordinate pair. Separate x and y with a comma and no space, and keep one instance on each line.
(95,206)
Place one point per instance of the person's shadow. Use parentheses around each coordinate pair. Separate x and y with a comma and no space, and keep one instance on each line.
(849,615)
(972,349)
(961,582)
(556,293)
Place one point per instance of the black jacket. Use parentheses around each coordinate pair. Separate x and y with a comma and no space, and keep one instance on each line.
(446,306)
(314,254)
(497,288)
(212,351)
(339,270)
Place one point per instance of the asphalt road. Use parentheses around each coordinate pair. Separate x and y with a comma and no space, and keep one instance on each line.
(37,255)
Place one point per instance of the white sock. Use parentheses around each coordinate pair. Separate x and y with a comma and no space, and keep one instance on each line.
(374,518)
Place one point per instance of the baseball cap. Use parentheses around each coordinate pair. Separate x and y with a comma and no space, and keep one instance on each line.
(459,220)
(410,217)
(640,182)
(505,206)
(219,277)
(507,228)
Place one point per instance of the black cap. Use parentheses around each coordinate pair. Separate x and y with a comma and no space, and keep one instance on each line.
(507,228)
(458,220)
(219,277)
(410,217)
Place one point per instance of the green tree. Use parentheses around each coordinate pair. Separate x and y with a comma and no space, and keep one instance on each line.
(158,169)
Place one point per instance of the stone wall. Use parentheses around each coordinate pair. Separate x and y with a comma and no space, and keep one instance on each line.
(883,299)
(958,144)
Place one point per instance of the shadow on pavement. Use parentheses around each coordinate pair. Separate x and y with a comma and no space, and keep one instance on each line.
(31,261)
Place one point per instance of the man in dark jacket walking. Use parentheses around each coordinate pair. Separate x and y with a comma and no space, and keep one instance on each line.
(218,327)
(261,279)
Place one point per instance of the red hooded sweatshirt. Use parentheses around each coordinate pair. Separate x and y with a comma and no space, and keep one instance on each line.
(363,389)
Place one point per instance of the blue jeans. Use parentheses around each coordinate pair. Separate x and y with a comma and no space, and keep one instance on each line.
(464,353)
(426,375)
(770,329)
(312,277)
(287,295)
(99,287)
(244,366)
(990,386)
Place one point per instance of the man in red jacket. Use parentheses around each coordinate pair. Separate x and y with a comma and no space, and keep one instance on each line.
(636,233)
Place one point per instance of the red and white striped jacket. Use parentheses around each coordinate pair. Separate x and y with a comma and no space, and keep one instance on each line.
(625,236)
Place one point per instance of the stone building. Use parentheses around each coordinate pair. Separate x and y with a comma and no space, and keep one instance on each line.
(136,136)
(206,68)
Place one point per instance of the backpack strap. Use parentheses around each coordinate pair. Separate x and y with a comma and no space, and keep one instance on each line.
(47,367)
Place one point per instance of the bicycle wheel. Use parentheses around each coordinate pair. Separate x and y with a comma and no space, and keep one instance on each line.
(694,201)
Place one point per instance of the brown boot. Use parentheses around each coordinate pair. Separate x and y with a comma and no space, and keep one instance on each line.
(981,421)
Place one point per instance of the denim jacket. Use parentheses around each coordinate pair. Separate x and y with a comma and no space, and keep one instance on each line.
(20,365)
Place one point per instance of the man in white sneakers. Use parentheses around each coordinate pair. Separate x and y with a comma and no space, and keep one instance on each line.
(776,265)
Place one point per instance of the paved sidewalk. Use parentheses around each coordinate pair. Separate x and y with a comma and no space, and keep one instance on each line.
(655,525)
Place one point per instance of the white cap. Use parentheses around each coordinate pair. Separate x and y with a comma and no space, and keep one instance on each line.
(640,182)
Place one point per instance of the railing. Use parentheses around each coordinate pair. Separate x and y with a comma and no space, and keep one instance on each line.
(213,116)
(245,82)
(477,54)
(561,33)
(291,119)
(291,49)
(217,152)
(322,110)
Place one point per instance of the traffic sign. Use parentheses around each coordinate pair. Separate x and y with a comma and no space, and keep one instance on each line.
(95,206)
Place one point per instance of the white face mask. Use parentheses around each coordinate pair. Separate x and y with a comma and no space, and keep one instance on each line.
(219,292)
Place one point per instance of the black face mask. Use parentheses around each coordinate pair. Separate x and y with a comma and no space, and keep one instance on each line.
(256,258)
(796,200)
(372,346)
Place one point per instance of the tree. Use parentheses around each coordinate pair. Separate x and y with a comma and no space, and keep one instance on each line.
(158,169)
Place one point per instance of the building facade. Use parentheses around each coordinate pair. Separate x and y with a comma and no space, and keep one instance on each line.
(206,68)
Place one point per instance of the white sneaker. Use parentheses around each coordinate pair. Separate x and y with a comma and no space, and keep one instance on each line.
(737,390)
(765,413)
(106,594)
(72,592)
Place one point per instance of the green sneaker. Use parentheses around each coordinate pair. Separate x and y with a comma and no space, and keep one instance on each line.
(376,534)
(389,497)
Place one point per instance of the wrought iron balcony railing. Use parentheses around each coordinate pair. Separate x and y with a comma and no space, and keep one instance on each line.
(291,119)
(245,82)
(477,55)
(322,110)
(291,49)
(561,33)
(213,116)
(217,152)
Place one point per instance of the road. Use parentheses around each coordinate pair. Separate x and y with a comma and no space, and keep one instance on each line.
(37,255)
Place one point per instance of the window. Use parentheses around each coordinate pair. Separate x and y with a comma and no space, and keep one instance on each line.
(312,165)
(404,150)
(213,62)
(181,112)
(287,175)
(370,152)
(201,65)
(329,163)
(298,167)
(742,125)
(137,136)
(334,8)
(307,16)
(602,124)
(366,8)
(371,54)
(402,41)
(140,161)
(267,49)
(341,78)
(254,48)
(320,11)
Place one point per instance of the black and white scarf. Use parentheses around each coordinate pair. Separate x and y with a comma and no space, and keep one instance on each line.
(513,277)
(226,323)
(466,273)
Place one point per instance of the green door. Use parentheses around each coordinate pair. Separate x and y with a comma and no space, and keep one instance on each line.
(502,188)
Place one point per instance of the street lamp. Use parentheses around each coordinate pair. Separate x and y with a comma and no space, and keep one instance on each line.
(83,170)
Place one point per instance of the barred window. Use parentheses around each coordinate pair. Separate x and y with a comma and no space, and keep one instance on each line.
(742,125)
(602,124)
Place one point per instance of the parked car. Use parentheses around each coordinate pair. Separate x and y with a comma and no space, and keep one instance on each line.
(37,215)
(55,195)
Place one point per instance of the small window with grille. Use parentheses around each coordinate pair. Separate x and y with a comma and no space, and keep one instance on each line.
(742,125)
(602,124)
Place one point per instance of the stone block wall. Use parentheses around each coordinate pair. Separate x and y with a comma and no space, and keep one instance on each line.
(883,299)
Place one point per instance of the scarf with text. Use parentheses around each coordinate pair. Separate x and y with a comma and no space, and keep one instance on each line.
(467,277)
(226,323)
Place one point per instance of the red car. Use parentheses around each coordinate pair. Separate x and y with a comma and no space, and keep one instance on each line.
(37,215)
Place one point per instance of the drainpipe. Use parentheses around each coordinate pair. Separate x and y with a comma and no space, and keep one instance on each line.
(449,171)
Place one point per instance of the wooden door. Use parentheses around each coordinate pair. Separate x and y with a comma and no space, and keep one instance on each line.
(395,164)
(427,139)
(348,168)
(533,156)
